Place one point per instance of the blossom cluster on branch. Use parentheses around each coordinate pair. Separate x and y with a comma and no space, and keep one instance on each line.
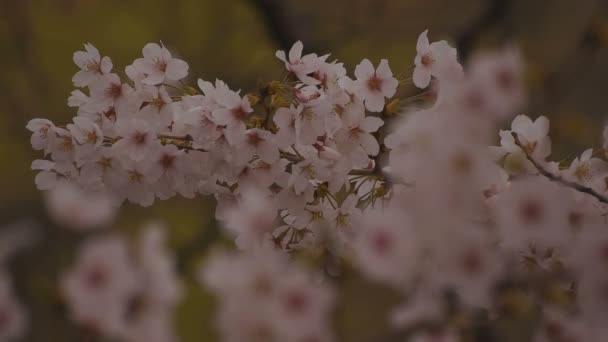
(350,172)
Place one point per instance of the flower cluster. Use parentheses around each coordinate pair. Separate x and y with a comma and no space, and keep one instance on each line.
(117,292)
(341,169)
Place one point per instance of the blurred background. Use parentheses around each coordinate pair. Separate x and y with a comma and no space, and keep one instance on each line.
(564,42)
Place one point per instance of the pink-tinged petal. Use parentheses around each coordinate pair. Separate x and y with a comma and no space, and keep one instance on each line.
(42,164)
(348,84)
(369,143)
(165,54)
(235,134)
(281,55)
(521,123)
(164,95)
(541,126)
(349,203)
(507,141)
(371,124)
(353,114)
(152,51)
(442,51)
(587,154)
(374,102)
(384,70)
(177,69)
(422,46)
(305,135)
(543,148)
(268,152)
(45,180)
(144,66)
(222,116)
(154,78)
(81,59)
(283,117)
(82,78)
(106,65)
(421,77)
(92,50)
(296,52)
(389,87)
(364,70)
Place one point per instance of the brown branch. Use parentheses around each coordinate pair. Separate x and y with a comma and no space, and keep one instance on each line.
(558,179)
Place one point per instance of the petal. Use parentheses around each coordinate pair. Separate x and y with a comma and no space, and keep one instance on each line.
(106,65)
(587,154)
(81,59)
(154,78)
(521,123)
(348,84)
(235,134)
(42,164)
(144,66)
(389,87)
(421,77)
(283,117)
(369,143)
(384,70)
(371,124)
(152,51)
(45,180)
(92,50)
(541,125)
(281,55)
(82,78)
(374,102)
(364,70)
(422,46)
(296,52)
(268,152)
(176,69)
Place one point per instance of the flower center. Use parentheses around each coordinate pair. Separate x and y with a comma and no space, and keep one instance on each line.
(427,60)
(114,90)
(139,138)
(374,83)
(583,172)
(167,161)
(135,177)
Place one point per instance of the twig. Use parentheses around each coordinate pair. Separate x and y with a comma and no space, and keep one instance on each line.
(558,179)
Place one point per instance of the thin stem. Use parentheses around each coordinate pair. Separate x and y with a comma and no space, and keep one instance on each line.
(173,137)
(558,179)
(172,86)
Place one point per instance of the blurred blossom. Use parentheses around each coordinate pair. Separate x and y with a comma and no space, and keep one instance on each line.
(72,207)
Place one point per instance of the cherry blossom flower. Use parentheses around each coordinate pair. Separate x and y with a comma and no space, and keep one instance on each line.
(433,60)
(355,136)
(14,319)
(533,137)
(373,85)
(91,64)
(586,169)
(42,130)
(158,65)
(301,66)
(388,249)
(71,207)
(98,286)
(233,113)
(137,138)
